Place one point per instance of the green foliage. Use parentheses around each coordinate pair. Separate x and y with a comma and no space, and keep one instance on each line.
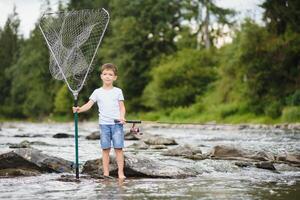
(261,69)
(141,31)
(293,99)
(63,101)
(9,53)
(180,78)
(33,89)
(291,114)
(273,109)
(282,15)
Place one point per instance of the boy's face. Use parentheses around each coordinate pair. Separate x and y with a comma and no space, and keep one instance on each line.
(108,77)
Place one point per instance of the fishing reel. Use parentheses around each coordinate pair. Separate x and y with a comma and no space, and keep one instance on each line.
(133,129)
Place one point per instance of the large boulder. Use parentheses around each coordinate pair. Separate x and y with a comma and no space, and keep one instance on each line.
(32,160)
(140,166)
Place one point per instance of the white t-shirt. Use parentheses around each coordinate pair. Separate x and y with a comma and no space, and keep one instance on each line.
(108,104)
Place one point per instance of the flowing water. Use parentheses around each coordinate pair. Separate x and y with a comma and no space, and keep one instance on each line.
(217,179)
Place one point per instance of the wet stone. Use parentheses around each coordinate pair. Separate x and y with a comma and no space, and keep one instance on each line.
(93,136)
(62,135)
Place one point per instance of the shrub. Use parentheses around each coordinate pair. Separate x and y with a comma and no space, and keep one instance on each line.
(291,114)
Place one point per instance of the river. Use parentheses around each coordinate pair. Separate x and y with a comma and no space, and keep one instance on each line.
(219,179)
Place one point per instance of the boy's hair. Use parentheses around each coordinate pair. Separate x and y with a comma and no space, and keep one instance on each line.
(109,66)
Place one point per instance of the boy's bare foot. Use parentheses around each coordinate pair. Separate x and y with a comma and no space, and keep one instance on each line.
(122,177)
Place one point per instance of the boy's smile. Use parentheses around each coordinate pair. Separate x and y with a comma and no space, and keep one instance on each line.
(108,77)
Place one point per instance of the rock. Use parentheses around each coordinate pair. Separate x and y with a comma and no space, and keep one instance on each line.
(141,166)
(27,144)
(152,140)
(139,145)
(196,157)
(63,135)
(23,144)
(261,165)
(94,167)
(132,136)
(32,160)
(18,172)
(232,153)
(290,158)
(265,165)
(30,135)
(185,150)
(93,136)
(40,143)
(222,151)
(262,156)
(12,161)
(244,164)
(158,147)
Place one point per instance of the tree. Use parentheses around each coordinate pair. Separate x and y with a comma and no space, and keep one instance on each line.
(33,89)
(263,69)
(141,32)
(208,18)
(281,15)
(180,78)
(10,42)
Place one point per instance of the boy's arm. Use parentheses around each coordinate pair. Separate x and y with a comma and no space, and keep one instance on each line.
(84,108)
(122,111)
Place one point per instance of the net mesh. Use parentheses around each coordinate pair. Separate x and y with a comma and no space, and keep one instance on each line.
(73,39)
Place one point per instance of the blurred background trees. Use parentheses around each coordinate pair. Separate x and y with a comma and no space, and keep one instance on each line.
(172,65)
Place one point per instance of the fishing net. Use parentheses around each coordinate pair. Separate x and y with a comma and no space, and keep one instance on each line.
(73,39)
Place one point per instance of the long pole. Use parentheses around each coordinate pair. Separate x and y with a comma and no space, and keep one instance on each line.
(76,137)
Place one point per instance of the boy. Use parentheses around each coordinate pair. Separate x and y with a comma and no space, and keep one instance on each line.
(110,101)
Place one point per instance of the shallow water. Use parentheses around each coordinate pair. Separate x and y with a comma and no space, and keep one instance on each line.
(218,179)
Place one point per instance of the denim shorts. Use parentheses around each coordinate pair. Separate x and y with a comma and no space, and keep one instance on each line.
(112,133)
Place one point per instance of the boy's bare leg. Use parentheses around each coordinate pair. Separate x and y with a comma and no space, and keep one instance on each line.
(120,163)
(105,161)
